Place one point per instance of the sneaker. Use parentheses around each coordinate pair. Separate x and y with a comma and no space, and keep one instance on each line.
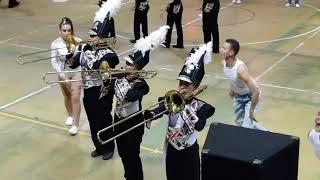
(73,130)
(234,1)
(238,1)
(95,154)
(297,5)
(107,156)
(69,121)
(287,5)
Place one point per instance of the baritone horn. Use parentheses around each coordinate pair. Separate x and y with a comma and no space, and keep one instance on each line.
(174,102)
(71,45)
(105,73)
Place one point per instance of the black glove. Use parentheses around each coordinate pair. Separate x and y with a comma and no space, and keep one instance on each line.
(148,114)
(87,47)
(68,56)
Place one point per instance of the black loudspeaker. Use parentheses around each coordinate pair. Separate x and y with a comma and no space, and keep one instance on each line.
(236,153)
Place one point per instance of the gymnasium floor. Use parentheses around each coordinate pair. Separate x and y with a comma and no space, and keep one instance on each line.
(280,46)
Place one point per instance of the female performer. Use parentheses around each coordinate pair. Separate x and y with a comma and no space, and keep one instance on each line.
(71,91)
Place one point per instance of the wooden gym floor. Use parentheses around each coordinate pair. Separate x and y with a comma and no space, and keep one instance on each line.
(280,46)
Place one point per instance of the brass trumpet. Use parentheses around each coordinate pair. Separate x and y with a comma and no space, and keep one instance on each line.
(105,73)
(174,102)
(71,45)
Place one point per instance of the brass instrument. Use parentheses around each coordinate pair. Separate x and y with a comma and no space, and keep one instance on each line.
(71,45)
(174,102)
(105,73)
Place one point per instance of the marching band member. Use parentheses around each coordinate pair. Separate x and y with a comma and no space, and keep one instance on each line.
(111,22)
(174,16)
(71,91)
(140,17)
(210,12)
(97,101)
(182,150)
(129,91)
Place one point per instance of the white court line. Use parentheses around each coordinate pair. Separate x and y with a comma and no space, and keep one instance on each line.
(262,84)
(284,57)
(25,97)
(166,69)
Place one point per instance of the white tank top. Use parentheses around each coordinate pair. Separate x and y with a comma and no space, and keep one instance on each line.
(237,85)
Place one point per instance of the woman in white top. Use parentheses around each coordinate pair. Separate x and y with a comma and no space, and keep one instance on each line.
(70,91)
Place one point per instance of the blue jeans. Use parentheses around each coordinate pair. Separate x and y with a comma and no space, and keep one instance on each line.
(296,1)
(241,106)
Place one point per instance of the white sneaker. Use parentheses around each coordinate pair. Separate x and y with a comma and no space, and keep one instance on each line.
(297,5)
(69,121)
(238,1)
(73,130)
(234,1)
(287,5)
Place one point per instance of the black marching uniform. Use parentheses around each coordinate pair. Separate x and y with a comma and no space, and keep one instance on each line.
(182,153)
(140,17)
(181,146)
(129,91)
(110,23)
(96,100)
(174,16)
(210,12)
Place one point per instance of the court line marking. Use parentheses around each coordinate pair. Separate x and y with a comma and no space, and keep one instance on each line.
(25,97)
(279,39)
(63,128)
(285,57)
(261,84)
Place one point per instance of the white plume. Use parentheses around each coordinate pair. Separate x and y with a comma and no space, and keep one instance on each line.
(152,41)
(112,6)
(195,57)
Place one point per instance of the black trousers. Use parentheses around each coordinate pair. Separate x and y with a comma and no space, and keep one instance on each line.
(112,29)
(129,148)
(143,20)
(12,2)
(183,164)
(174,19)
(99,116)
(210,28)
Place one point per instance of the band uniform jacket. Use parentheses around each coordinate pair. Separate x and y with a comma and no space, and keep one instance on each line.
(183,126)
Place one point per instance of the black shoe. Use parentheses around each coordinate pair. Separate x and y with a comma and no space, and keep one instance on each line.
(107,155)
(178,46)
(133,41)
(14,4)
(165,45)
(95,154)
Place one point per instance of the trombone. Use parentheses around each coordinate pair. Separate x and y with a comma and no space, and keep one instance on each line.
(70,46)
(174,102)
(105,73)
